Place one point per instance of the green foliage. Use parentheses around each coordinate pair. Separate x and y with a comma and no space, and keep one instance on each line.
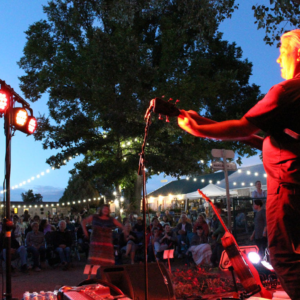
(102,61)
(276,18)
(30,197)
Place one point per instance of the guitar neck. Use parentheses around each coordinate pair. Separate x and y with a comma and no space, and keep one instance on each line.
(215,210)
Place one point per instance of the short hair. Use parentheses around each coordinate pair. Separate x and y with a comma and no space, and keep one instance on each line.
(155,228)
(257,182)
(183,215)
(294,36)
(62,221)
(258,202)
(34,223)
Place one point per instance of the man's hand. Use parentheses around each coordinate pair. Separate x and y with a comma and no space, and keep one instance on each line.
(186,121)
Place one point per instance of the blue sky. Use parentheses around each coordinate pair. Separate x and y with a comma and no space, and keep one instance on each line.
(28,156)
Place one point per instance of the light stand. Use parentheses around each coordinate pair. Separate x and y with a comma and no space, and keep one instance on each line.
(8,225)
(142,172)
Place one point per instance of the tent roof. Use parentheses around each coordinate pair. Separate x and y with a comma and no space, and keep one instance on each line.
(183,186)
(246,177)
(211,190)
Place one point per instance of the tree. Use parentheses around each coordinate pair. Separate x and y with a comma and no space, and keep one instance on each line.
(30,197)
(79,189)
(276,18)
(102,61)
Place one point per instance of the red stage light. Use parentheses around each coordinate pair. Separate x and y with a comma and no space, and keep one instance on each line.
(3,102)
(20,116)
(32,124)
(21,121)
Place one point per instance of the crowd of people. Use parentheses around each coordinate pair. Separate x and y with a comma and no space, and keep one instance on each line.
(106,241)
(41,241)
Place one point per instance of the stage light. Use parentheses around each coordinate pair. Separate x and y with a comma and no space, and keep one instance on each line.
(21,121)
(20,116)
(3,102)
(254,257)
(267,265)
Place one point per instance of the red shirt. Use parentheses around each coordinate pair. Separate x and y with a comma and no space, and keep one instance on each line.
(279,109)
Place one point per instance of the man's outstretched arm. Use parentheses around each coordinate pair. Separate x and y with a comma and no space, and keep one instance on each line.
(239,130)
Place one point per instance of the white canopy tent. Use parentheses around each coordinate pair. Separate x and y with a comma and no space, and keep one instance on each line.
(210,190)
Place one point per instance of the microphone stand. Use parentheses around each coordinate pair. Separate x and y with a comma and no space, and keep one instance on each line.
(142,172)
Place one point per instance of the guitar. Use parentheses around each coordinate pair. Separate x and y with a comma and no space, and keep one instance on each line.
(244,269)
(162,107)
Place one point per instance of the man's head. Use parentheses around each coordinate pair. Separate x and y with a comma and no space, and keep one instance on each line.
(62,225)
(16,219)
(258,184)
(35,226)
(155,222)
(67,219)
(167,212)
(127,227)
(289,54)
(199,230)
(167,228)
(36,219)
(183,218)
(257,203)
(139,220)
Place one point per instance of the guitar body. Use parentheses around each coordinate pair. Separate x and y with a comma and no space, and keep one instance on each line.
(244,269)
(239,265)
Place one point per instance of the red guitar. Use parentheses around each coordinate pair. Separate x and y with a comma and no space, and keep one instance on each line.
(244,269)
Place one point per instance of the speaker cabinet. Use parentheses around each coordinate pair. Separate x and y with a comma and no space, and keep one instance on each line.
(130,280)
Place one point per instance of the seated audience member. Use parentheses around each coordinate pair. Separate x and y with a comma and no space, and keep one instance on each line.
(138,228)
(17,229)
(46,227)
(167,240)
(35,242)
(55,221)
(186,219)
(217,235)
(129,242)
(182,230)
(240,220)
(26,217)
(169,218)
(62,244)
(69,226)
(165,221)
(201,251)
(78,221)
(154,237)
(158,216)
(155,223)
(35,219)
(214,224)
(201,222)
(17,251)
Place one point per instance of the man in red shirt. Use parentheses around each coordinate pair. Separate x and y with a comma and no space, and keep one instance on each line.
(277,114)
